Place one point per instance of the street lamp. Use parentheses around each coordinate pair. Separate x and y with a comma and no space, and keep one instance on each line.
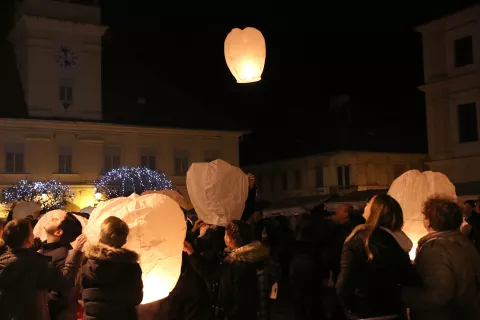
(245,53)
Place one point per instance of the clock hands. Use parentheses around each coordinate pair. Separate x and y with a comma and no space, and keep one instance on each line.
(65,57)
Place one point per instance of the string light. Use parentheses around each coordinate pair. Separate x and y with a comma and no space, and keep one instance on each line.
(49,195)
(124,181)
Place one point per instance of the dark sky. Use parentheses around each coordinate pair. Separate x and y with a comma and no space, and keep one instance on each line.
(172,54)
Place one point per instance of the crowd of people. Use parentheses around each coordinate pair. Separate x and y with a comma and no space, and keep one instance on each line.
(237,271)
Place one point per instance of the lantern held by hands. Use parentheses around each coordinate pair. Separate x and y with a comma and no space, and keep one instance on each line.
(411,190)
(157,233)
(245,53)
(218,191)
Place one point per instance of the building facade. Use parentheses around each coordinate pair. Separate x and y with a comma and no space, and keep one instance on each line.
(451,55)
(331,173)
(58,52)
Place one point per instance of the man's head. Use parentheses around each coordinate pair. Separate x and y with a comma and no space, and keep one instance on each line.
(114,232)
(342,214)
(63,227)
(257,216)
(18,234)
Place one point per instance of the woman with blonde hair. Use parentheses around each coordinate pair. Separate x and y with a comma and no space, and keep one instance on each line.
(375,263)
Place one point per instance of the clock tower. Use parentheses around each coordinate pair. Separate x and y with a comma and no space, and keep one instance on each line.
(58,46)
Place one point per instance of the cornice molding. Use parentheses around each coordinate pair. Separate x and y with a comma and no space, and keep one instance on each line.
(50,24)
(109,128)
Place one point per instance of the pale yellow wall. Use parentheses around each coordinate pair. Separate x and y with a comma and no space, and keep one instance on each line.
(42,140)
(445,88)
(367,170)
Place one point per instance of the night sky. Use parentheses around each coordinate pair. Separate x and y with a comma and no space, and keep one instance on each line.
(172,55)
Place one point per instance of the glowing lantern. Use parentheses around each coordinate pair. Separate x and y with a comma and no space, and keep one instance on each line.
(175,195)
(39,230)
(218,191)
(411,190)
(245,53)
(157,233)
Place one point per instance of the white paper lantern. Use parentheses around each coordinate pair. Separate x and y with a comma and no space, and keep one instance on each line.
(175,195)
(39,230)
(24,209)
(411,190)
(218,191)
(245,53)
(157,233)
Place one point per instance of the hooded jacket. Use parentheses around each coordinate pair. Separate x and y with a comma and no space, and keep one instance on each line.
(449,267)
(112,283)
(235,281)
(26,277)
(371,288)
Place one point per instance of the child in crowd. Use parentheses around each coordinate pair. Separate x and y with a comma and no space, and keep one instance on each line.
(111,278)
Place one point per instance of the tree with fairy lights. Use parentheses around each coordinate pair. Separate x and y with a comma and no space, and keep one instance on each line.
(49,195)
(124,181)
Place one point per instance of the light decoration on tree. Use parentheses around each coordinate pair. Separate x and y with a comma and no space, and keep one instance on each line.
(124,181)
(49,195)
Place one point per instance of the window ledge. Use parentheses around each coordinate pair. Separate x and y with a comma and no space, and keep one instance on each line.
(16,173)
(66,174)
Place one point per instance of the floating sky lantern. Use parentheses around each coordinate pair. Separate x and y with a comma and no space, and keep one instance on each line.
(218,191)
(157,233)
(245,53)
(411,190)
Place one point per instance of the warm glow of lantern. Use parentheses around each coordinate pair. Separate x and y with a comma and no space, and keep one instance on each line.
(411,190)
(218,191)
(157,233)
(245,53)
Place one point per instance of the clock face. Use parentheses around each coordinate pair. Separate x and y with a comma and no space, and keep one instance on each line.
(65,57)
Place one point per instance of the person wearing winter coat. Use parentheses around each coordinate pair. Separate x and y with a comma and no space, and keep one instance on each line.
(234,279)
(307,272)
(342,224)
(190,298)
(63,229)
(375,263)
(448,265)
(26,276)
(111,278)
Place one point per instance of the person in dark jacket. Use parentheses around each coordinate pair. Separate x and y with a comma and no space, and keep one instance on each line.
(235,278)
(307,273)
(448,265)
(251,199)
(26,276)
(190,298)
(63,229)
(473,219)
(344,221)
(111,278)
(375,263)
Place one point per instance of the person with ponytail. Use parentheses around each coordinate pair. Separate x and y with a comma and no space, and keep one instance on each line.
(375,263)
